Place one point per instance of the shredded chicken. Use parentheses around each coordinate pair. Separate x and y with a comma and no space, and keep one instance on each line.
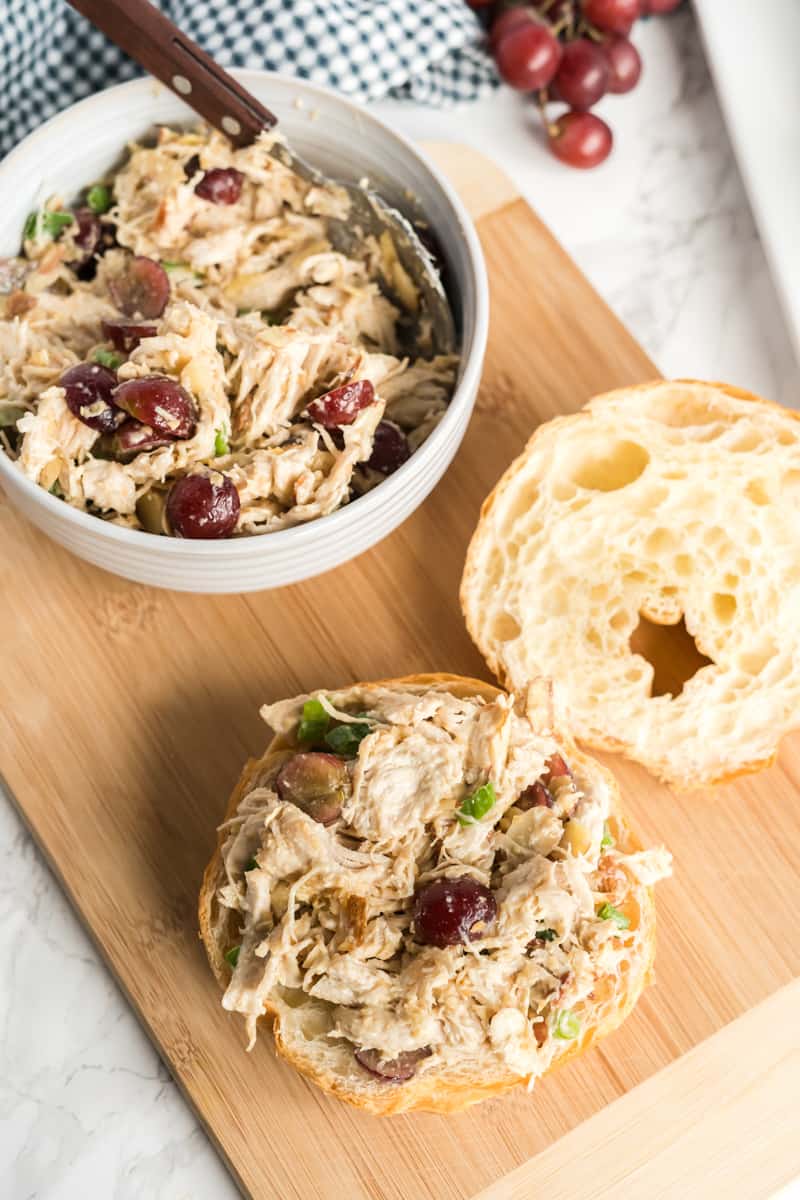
(264,315)
(330,910)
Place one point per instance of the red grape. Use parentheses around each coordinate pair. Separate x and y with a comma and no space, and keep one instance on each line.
(223,185)
(160,403)
(625,65)
(556,767)
(612,16)
(512,18)
(390,448)
(342,405)
(449,911)
(583,75)
(143,289)
(88,389)
(134,438)
(203,505)
(528,56)
(126,335)
(535,796)
(392,1070)
(315,783)
(581,139)
(86,236)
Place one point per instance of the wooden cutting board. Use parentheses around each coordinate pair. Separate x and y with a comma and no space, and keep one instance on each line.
(127,714)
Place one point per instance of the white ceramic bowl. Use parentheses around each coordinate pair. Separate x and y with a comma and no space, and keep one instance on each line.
(344,141)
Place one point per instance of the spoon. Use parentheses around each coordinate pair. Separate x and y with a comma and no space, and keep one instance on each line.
(152,40)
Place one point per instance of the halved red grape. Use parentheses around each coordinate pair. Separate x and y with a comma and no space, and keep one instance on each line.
(160,403)
(581,139)
(316,783)
(126,335)
(556,767)
(390,448)
(88,389)
(86,233)
(510,19)
(342,405)
(204,504)
(134,438)
(625,65)
(582,77)
(450,911)
(528,56)
(392,1070)
(222,185)
(535,796)
(612,16)
(142,290)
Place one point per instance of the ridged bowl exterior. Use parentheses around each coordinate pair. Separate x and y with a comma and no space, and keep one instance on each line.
(82,144)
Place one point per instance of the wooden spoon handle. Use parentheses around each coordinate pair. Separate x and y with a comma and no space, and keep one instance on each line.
(152,40)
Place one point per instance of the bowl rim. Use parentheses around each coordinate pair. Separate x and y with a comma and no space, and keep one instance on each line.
(382,494)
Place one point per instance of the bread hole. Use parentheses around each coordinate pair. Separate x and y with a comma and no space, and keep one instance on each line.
(505,628)
(723,605)
(660,541)
(671,651)
(689,409)
(731,581)
(786,438)
(756,492)
(747,441)
(524,500)
(755,659)
(620,466)
(653,498)
(563,489)
(683,565)
(620,620)
(714,537)
(790,481)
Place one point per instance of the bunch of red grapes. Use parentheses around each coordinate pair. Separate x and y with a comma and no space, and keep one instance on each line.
(573,52)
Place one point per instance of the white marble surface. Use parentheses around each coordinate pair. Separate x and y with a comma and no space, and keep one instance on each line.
(665,233)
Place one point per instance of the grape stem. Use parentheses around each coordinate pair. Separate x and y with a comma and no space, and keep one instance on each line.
(549,126)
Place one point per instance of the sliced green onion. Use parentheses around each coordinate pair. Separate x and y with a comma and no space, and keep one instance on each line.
(232,955)
(606,840)
(51,223)
(250,865)
(173,264)
(607,912)
(546,935)
(221,442)
(108,358)
(99,198)
(313,723)
(567,1025)
(56,489)
(477,804)
(346,739)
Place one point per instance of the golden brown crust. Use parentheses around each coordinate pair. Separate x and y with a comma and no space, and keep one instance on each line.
(443,1092)
(595,739)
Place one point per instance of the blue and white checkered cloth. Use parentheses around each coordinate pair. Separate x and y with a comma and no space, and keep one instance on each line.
(430,51)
